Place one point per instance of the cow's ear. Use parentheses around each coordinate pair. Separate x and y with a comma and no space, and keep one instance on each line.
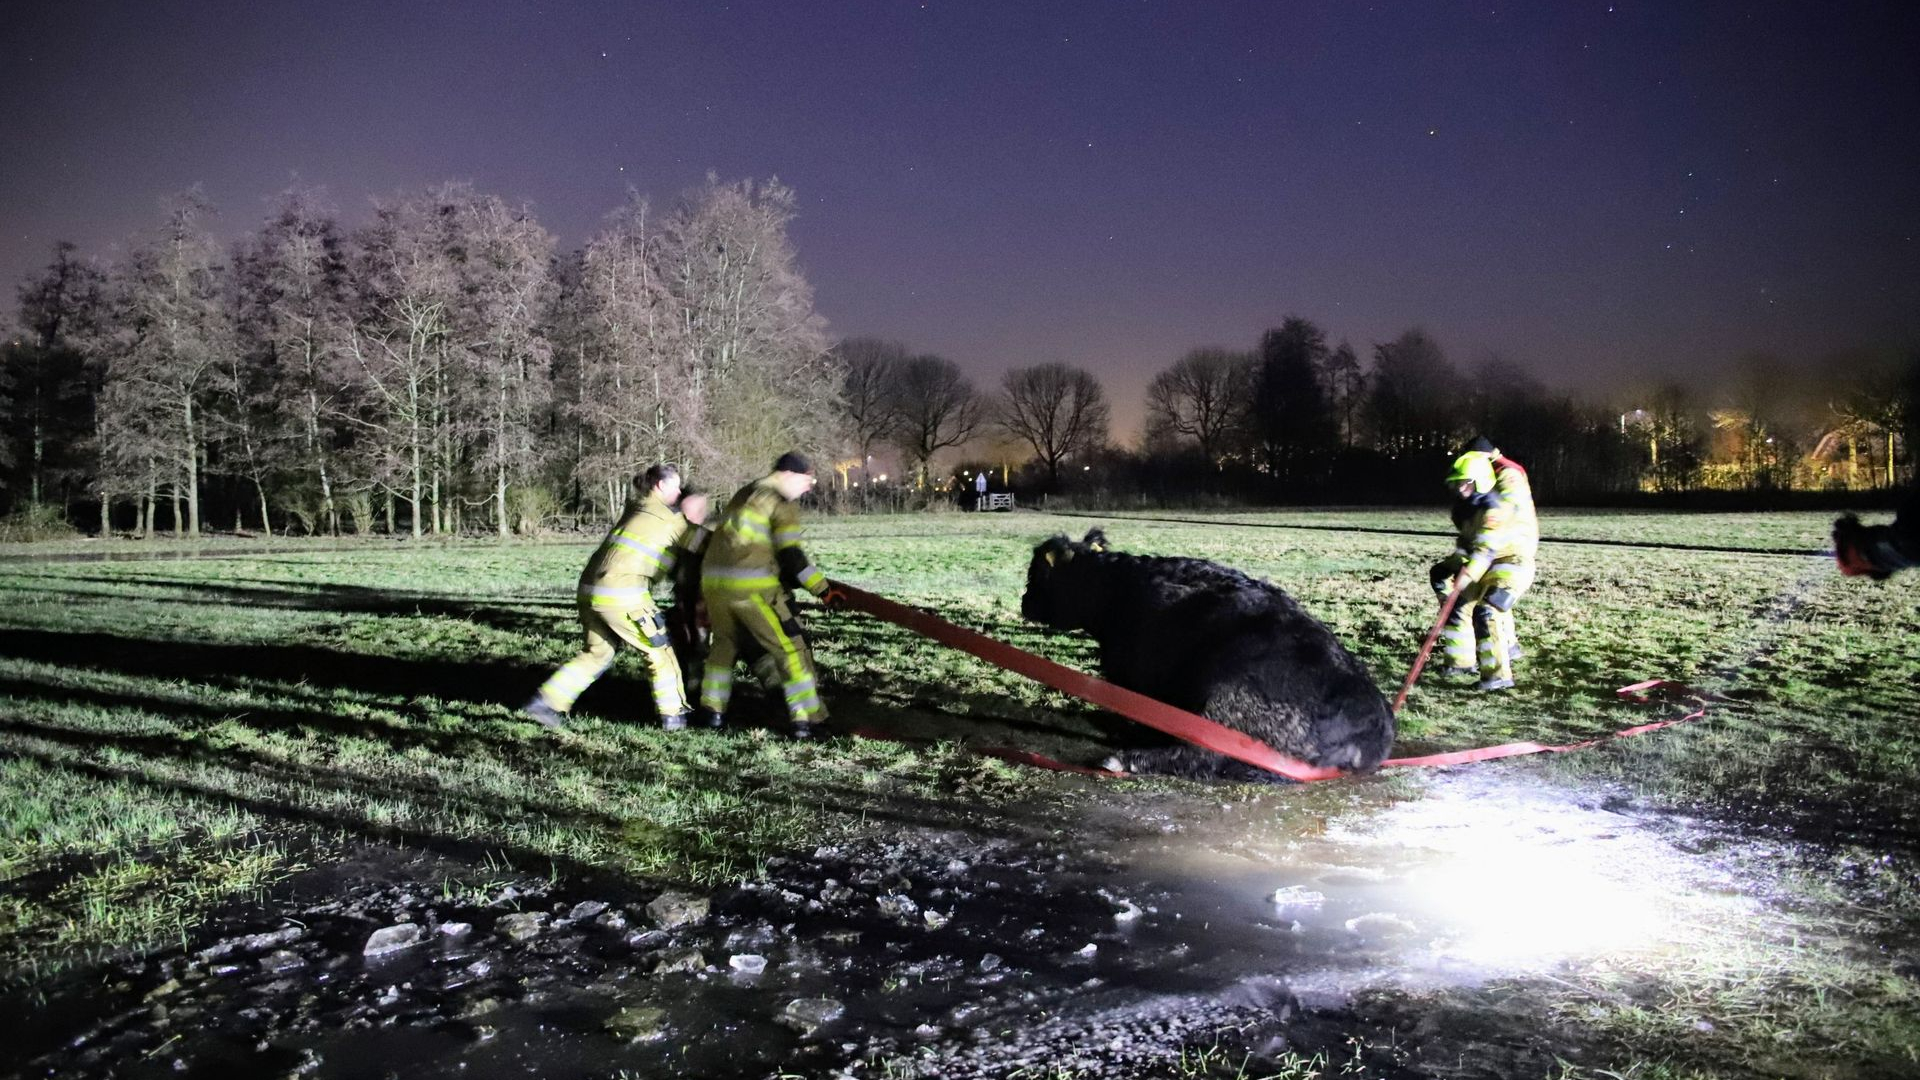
(1096,540)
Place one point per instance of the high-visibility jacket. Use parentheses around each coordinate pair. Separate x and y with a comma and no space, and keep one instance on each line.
(1500,525)
(756,544)
(640,550)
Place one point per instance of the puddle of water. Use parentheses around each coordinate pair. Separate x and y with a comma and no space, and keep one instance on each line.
(1439,879)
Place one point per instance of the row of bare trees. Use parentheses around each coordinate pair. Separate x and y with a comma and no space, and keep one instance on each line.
(442,366)
(923,404)
(439,364)
(1295,413)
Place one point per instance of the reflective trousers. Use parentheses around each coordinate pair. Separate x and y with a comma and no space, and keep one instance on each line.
(688,628)
(1479,633)
(739,617)
(607,628)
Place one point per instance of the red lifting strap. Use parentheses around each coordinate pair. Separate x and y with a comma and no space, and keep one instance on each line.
(1641,692)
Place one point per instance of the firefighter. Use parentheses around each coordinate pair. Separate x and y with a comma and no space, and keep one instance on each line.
(687,624)
(687,617)
(616,603)
(1878,550)
(1492,564)
(751,559)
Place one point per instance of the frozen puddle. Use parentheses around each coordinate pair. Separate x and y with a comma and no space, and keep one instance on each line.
(1438,880)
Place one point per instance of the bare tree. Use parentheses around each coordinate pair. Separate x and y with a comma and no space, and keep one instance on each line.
(49,393)
(868,390)
(1875,408)
(1346,387)
(939,408)
(506,357)
(1292,415)
(129,432)
(1676,442)
(1058,410)
(567,332)
(753,376)
(1204,397)
(293,298)
(173,334)
(397,349)
(1758,423)
(247,424)
(1411,397)
(630,369)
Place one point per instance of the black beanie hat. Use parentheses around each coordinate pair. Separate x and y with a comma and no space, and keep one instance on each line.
(793,461)
(1482,445)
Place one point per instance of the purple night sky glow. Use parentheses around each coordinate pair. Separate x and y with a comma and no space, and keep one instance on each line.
(1595,190)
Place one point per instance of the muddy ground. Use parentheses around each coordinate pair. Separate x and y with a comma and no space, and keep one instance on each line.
(1409,926)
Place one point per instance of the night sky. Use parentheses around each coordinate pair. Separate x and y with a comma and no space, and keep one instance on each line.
(1595,190)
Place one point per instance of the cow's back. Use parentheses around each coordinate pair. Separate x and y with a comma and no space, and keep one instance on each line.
(1212,640)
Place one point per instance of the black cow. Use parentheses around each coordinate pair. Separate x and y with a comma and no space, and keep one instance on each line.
(1214,641)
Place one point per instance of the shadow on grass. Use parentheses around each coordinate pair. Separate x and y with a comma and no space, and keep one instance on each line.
(221,664)
(271,783)
(227,772)
(524,615)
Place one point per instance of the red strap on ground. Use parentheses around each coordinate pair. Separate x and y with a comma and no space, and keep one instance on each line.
(1640,692)
(1157,715)
(1199,730)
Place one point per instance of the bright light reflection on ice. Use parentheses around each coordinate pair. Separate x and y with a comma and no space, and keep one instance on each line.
(1449,879)
(1501,875)
(1513,901)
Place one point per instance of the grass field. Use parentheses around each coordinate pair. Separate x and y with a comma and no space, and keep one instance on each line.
(178,734)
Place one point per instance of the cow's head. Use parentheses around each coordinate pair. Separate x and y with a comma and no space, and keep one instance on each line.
(1061,588)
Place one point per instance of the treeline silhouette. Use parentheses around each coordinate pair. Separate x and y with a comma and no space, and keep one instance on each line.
(445,367)
(1294,419)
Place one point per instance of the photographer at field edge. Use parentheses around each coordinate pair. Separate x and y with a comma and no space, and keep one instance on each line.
(1877,551)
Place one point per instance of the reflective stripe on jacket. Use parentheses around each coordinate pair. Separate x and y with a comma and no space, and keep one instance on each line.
(1502,525)
(757,534)
(640,550)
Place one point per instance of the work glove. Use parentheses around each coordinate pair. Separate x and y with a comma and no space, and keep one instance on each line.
(1853,550)
(836,598)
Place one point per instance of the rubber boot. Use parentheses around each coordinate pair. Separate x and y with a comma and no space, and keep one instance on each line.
(544,714)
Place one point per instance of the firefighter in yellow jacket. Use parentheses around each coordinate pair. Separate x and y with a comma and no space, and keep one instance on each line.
(753,554)
(1492,564)
(616,603)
